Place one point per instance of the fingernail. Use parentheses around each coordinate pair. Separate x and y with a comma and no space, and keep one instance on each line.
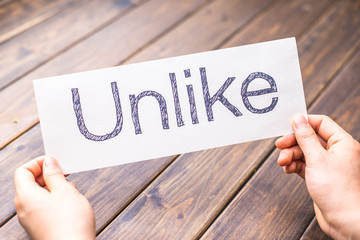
(281,156)
(299,120)
(278,140)
(51,163)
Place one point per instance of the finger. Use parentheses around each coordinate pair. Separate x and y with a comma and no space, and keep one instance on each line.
(300,169)
(322,142)
(297,167)
(325,126)
(289,169)
(40,180)
(53,176)
(26,174)
(284,158)
(289,154)
(306,138)
(34,166)
(286,141)
(290,140)
(72,184)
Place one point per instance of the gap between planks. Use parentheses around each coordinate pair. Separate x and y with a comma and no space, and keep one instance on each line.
(135,53)
(76,42)
(151,180)
(244,181)
(182,20)
(239,29)
(99,28)
(338,71)
(34,21)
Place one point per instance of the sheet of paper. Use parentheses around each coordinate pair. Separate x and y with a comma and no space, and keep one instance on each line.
(170,106)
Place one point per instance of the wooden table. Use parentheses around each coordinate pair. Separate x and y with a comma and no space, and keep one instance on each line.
(234,192)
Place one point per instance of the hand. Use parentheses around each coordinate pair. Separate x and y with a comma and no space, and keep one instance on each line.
(328,158)
(50,207)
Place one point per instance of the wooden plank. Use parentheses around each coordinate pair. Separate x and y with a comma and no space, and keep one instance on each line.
(133,177)
(213,24)
(344,21)
(182,200)
(271,30)
(17,102)
(12,157)
(264,210)
(343,98)
(31,48)
(339,30)
(274,204)
(165,211)
(314,232)
(20,15)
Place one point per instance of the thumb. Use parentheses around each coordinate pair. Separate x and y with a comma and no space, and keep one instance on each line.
(52,174)
(307,139)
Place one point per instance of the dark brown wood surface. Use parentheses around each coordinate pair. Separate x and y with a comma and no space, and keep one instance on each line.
(314,232)
(54,35)
(234,192)
(19,15)
(205,30)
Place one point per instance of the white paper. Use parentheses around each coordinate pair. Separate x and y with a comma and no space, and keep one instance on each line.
(103,134)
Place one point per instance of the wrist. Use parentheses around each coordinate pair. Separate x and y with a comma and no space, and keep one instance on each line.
(347,225)
(354,225)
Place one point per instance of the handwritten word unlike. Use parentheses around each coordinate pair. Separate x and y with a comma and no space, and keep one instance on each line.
(208,101)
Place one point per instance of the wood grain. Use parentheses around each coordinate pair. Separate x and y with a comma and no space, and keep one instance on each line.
(102,187)
(271,205)
(341,31)
(284,199)
(183,199)
(148,21)
(21,15)
(314,232)
(272,22)
(331,40)
(342,99)
(12,157)
(28,50)
(210,178)
(204,30)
